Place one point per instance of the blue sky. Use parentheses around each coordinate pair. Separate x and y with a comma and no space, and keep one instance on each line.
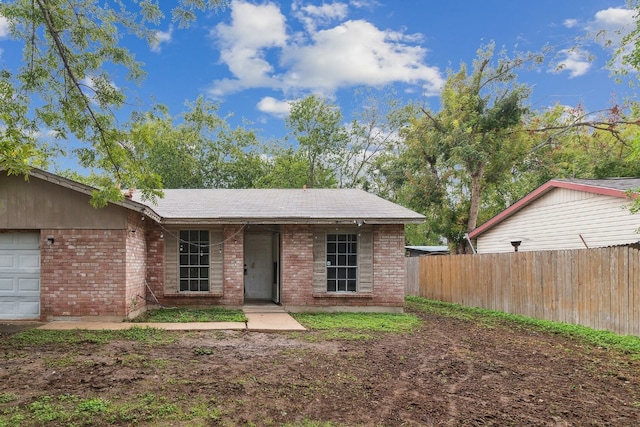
(256,56)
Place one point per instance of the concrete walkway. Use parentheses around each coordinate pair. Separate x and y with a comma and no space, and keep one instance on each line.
(262,320)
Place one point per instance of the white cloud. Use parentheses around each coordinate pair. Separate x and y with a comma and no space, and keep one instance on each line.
(570,23)
(575,62)
(610,25)
(243,43)
(4,27)
(274,107)
(260,54)
(354,53)
(161,37)
(614,18)
(312,16)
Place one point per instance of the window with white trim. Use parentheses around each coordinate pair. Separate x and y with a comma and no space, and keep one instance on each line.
(342,262)
(194,260)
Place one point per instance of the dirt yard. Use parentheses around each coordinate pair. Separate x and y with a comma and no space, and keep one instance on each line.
(450,372)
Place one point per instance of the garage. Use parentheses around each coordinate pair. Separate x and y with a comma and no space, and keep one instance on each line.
(19,276)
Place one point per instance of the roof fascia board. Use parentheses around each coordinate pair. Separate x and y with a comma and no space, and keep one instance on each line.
(593,189)
(275,221)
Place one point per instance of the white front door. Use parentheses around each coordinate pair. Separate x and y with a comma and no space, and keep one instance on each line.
(19,276)
(258,260)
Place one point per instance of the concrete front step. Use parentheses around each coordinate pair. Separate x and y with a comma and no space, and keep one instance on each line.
(263,308)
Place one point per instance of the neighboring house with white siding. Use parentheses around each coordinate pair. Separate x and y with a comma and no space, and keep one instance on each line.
(564,214)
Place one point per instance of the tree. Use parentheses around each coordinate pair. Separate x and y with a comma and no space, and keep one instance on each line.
(289,168)
(66,83)
(373,138)
(317,126)
(453,157)
(198,149)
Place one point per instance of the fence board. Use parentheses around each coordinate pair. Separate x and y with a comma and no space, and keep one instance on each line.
(599,288)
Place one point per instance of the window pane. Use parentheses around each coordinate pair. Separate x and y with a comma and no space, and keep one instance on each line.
(351,286)
(194,260)
(342,262)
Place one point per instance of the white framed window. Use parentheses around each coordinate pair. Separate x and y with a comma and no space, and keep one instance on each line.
(193,260)
(342,262)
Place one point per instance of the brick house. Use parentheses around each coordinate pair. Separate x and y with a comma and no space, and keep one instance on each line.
(306,249)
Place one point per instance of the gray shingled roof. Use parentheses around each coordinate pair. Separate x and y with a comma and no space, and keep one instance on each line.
(278,206)
(622,184)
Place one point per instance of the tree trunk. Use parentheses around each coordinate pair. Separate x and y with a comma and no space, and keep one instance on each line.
(476,189)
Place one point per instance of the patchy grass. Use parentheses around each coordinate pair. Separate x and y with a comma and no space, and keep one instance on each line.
(73,410)
(40,337)
(357,326)
(186,315)
(627,344)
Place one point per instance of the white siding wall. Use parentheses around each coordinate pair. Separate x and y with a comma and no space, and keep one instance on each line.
(557,219)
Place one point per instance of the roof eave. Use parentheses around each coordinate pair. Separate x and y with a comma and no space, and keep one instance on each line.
(274,221)
(88,190)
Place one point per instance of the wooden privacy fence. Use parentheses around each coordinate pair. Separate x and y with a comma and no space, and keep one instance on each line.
(598,288)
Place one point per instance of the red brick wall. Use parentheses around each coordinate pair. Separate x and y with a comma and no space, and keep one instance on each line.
(233,275)
(233,253)
(296,265)
(296,243)
(83,273)
(155,263)
(136,264)
(388,272)
(388,265)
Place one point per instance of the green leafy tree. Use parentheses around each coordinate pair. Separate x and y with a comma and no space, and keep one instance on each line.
(71,53)
(316,125)
(454,157)
(289,168)
(198,149)
(373,140)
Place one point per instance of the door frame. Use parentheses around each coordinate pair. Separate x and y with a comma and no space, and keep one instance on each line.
(274,262)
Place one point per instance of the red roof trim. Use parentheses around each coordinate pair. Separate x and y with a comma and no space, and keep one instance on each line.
(540,191)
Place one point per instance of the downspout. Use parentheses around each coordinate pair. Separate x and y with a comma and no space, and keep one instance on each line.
(473,250)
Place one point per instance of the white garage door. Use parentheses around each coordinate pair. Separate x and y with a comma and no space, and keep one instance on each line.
(19,276)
